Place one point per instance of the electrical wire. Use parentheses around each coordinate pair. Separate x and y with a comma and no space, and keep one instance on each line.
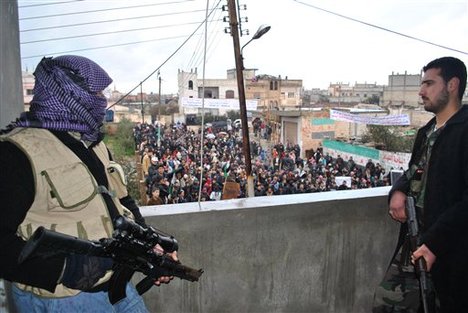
(198,52)
(210,52)
(44,4)
(197,56)
(108,21)
(106,33)
(159,67)
(214,30)
(99,10)
(380,27)
(198,49)
(103,47)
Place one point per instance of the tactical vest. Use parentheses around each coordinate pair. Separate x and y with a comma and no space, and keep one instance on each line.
(67,196)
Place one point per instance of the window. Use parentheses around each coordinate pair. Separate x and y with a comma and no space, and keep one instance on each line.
(29,92)
(273,85)
(290,94)
(190,85)
(256,95)
(229,94)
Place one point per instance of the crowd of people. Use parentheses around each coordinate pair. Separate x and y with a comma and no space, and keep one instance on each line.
(172,165)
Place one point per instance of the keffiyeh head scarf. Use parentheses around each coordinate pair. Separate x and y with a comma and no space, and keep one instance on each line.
(68,97)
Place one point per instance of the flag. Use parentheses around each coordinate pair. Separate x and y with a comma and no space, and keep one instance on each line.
(226,168)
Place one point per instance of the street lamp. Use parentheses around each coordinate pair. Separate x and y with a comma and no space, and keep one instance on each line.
(262,30)
(233,22)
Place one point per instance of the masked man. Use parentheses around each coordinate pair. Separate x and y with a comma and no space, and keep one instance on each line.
(57,173)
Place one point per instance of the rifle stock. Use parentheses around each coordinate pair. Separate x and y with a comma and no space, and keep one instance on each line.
(45,242)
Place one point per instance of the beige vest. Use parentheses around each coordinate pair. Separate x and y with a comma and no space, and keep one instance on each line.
(67,197)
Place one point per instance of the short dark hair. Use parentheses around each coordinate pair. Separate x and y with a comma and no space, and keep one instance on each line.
(450,67)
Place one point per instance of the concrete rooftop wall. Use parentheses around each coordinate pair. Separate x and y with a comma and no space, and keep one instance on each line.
(11,96)
(322,252)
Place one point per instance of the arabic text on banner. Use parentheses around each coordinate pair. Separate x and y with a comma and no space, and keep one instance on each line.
(402,119)
(232,104)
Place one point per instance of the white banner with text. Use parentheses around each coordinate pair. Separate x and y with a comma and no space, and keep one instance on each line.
(227,104)
(402,119)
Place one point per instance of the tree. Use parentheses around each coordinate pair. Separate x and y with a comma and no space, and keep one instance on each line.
(324,99)
(390,138)
(374,99)
(233,115)
(122,145)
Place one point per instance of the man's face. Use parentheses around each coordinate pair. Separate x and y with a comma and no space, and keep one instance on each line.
(433,91)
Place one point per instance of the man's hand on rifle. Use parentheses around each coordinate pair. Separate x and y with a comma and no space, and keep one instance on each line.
(397,206)
(423,251)
(164,279)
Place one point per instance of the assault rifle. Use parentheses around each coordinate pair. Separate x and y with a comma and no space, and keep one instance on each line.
(425,283)
(131,248)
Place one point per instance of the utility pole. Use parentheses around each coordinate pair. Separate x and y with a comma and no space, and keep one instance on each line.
(159,113)
(142,107)
(233,22)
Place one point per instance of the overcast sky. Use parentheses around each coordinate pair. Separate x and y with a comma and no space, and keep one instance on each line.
(305,41)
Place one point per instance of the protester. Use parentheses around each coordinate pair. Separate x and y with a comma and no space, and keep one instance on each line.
(178,155)
(57,173)
(437,179)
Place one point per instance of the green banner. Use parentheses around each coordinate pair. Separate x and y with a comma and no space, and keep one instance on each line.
(322,121)
(369,153)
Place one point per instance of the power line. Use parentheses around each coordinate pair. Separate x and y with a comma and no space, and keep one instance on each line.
(100,10)
(103,47)
(107,21)
(174,53)
(44,4)
(380,27)
(198,51)
(106,33)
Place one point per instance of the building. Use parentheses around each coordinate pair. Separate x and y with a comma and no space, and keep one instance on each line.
(341,93)
(28,87)
(309,127)
(402,90)
(271,93)
(314,97)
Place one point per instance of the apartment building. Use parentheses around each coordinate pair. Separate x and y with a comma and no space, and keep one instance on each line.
(345,93)
(402,90)
(271,92)
(28,87)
